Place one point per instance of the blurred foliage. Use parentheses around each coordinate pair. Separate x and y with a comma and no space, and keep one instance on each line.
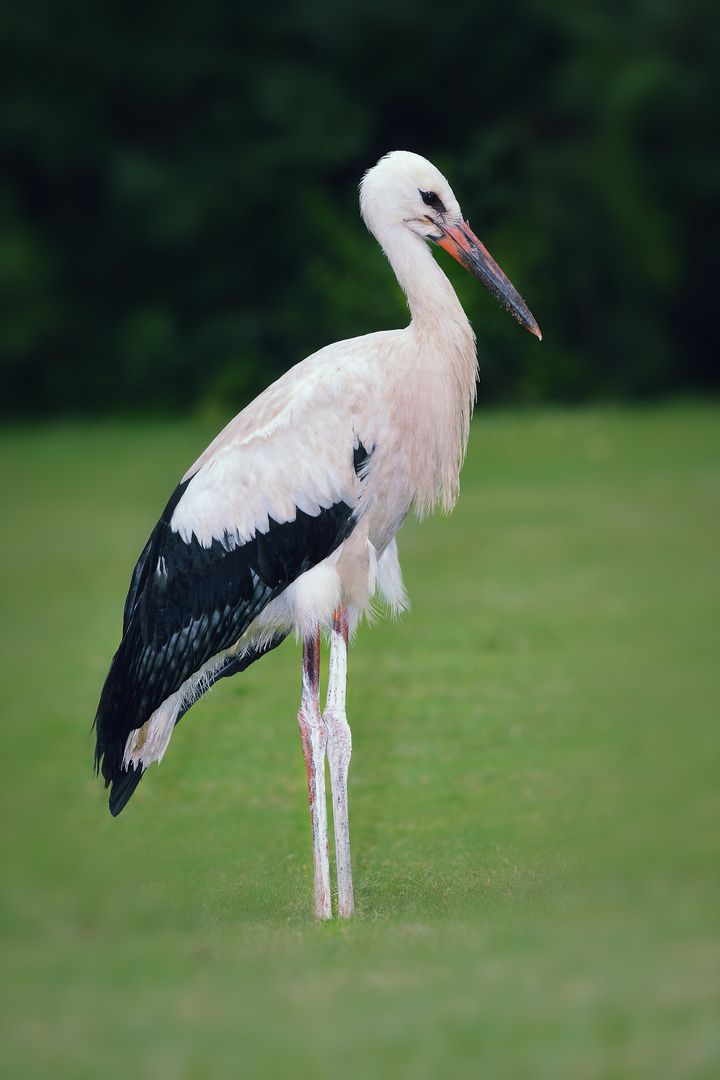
(178,203)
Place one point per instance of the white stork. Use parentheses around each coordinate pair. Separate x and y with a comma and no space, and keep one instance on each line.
(288,521)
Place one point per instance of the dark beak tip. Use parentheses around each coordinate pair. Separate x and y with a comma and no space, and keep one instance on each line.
(525,317)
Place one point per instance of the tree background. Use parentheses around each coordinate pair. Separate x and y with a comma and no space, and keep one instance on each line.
(178,191)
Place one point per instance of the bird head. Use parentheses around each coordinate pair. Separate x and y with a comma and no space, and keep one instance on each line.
(405,191)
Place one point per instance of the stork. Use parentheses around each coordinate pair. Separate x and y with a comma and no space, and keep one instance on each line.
(288,521)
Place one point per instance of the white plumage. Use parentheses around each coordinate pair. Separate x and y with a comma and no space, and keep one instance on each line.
(287,522)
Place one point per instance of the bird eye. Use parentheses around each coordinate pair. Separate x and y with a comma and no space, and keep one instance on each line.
(431,198)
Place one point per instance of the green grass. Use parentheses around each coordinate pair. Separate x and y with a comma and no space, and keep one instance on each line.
(533,788)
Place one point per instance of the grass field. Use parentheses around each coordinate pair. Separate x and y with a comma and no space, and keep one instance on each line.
(533,789)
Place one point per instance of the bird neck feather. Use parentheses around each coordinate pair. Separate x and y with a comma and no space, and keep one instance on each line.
(438,383)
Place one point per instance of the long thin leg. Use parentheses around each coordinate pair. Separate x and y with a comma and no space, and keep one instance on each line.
(339,749)
(313,731)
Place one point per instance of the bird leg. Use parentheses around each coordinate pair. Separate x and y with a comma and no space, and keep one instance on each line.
(339,749)
(313,731)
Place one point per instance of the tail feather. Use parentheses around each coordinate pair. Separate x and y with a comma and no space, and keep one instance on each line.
(123,786)
(109,751)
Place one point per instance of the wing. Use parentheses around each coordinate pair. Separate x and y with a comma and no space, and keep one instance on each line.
(240,528)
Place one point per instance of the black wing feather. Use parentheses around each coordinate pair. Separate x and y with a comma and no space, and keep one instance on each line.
(187,603)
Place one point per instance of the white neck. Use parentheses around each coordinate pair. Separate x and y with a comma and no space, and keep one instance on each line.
(431,298)
(444,372)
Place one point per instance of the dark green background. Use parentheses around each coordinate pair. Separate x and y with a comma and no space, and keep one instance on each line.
(178,203)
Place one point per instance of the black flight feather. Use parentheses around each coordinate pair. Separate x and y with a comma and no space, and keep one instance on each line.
(127,780)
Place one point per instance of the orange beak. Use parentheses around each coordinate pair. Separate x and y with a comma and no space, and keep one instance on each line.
(464,246)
